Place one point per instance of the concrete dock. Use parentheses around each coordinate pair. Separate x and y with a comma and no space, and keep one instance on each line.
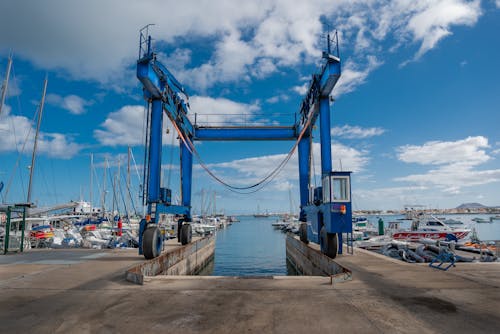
(85,291)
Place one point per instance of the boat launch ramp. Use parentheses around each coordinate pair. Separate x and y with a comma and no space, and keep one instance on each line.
(87,291)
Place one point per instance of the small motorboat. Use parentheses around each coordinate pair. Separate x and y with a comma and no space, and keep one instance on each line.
(430,228)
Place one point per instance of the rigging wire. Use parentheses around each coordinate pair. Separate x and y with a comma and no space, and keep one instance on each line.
(139,194)
(18,159)
(129,194)
(14,80)
(53,179)
(97,180)
(135,165)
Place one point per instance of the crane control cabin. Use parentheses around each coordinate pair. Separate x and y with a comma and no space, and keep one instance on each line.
(325,211)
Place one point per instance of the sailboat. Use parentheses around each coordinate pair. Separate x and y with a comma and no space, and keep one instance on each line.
(260,215)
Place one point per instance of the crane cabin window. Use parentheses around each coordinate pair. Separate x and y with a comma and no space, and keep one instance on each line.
(340,191)
(336,189)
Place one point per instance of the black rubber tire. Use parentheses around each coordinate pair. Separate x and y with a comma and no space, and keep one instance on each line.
(179,228)
(328,243)
(151,242)
(303,233)
(333,245)
(186,234)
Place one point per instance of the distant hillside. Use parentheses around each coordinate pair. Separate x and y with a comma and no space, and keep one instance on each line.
(471,206)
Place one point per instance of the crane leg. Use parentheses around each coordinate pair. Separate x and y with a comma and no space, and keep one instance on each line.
(304,174)
(185,234)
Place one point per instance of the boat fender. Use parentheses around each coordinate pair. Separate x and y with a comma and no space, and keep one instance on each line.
(464,258)
(415,256)
(405,256)
(434,249)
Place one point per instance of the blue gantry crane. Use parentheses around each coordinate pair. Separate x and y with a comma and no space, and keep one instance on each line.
(325,211)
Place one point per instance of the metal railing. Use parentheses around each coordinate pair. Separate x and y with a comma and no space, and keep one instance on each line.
(246,119)
(144,41)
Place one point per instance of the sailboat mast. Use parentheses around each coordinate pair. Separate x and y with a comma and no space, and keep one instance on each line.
(215,203)
(91,180)
(5,83)
(103,200)
(33,156)
(129,197)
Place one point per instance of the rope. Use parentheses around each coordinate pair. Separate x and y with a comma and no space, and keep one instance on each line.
(259,185)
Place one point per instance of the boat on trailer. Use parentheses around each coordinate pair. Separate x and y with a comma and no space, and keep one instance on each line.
(426,226)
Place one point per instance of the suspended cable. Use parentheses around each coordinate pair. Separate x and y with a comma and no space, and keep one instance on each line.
(259,185)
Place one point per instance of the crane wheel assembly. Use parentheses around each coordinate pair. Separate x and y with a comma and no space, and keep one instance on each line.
(186,233)
(328,243)
(151,242)
(303,232)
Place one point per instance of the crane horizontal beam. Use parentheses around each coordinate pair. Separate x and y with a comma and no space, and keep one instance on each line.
(173,209)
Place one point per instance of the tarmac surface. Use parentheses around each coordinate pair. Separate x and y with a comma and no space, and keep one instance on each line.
(85,291)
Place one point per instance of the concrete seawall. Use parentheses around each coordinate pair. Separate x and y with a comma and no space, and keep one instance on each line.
(184,260)
(308,260)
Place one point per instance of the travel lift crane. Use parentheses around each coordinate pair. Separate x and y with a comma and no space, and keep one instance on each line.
(325,211)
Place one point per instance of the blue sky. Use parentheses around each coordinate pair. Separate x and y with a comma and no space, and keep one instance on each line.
(415,116)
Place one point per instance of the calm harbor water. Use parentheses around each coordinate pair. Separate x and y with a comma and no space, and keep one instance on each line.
(252,247)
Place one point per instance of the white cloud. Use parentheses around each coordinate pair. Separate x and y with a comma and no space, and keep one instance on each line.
(62,37)
(433,20)
(125,126)
(354,75)
(221,111)
(19,132)
(249,40)
(356,132)
(469,151)
(278,98)
(72,103)
(244,172)
(301,89)
(497,2)
(456,164)
(454,177)
(389,197)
